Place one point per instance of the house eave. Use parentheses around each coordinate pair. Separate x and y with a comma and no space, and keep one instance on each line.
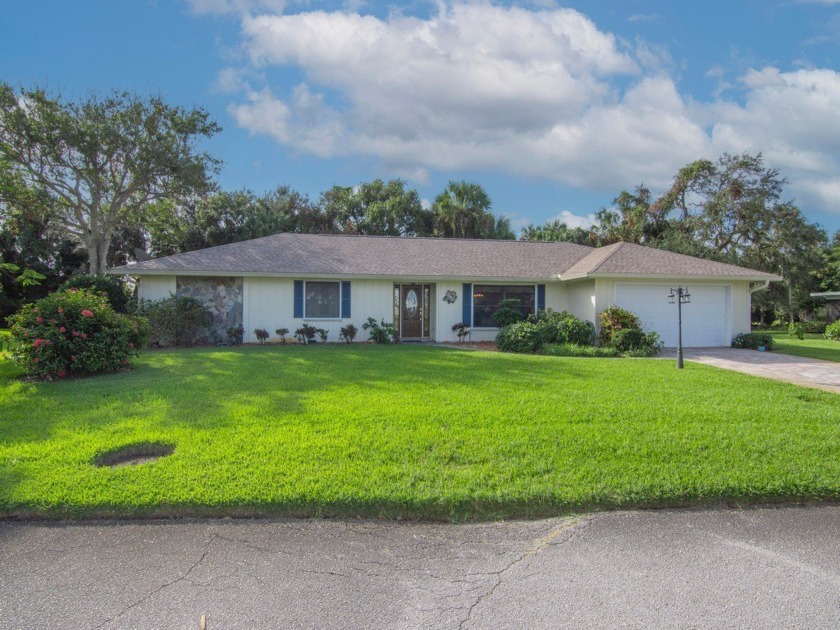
(761,277)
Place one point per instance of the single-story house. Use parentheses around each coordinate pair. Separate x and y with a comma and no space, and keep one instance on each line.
(425,285)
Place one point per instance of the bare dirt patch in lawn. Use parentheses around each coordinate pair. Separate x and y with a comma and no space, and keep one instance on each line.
(133,454)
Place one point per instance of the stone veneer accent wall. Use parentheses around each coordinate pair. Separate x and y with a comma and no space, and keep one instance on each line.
(223,299)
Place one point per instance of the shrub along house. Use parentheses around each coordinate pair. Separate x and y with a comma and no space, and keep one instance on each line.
(425,285)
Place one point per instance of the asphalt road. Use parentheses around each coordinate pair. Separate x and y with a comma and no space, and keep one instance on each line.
(755,568)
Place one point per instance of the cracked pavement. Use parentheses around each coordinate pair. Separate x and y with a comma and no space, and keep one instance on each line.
(764,567)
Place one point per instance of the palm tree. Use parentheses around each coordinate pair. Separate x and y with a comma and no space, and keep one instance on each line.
(462,210)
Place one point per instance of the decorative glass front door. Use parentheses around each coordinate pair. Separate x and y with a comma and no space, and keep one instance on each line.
(412,311)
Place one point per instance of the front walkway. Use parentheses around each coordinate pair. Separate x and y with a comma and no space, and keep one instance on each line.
(781,367)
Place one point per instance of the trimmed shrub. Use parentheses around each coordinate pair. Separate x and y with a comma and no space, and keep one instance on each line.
(796,329)
(507,313)
(519,337)
(832,331)
(380,333)
(636,343)
(563,327)
(752,341)
(814,327)
(323,334)
(173,321)
(236,334)
(461,329)
(75,331)
(575,350)
(615,318)
(306,333)
(111,287)
(261,334)
(348,333)
(282,332)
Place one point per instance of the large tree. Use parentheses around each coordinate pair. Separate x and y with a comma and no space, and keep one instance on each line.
(377,208)
(104,160)
(462,210)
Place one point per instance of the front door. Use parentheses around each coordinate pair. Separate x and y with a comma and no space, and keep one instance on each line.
(412,311)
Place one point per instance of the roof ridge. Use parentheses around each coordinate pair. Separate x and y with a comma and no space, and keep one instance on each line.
(616,247)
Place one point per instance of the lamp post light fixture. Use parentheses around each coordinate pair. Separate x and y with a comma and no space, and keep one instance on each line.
(680,296)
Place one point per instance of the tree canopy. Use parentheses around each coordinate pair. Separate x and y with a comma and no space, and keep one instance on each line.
(99,163)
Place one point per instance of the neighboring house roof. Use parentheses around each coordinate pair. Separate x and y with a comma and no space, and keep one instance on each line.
(395,257)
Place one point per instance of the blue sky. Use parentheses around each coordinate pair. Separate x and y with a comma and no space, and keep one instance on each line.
(553,108)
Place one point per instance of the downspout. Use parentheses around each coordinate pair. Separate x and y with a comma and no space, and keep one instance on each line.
(760,286)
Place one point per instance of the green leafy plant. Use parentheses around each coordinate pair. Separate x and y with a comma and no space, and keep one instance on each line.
(753,341)
(563,327)
(323,334)
(261,334)
(519,337)
(306,333)
(236,334)
(832,331)
(348,333)
(282,332)
(173,321)
(508,313)
(75,331)
(615,318)
(796,329)
(111,287)
(630,340)
(814,326)
(461,329)
(381,332)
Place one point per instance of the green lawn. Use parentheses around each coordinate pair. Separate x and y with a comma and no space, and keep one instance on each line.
(410,432)
(813,346)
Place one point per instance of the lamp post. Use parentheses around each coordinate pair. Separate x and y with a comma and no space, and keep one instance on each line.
(680,296)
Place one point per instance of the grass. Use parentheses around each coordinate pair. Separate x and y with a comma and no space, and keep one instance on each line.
(813,346)
(409,432)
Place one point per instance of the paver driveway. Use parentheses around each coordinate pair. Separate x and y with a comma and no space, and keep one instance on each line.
(781,367)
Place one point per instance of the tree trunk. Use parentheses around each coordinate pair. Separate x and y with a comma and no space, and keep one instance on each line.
(97,248)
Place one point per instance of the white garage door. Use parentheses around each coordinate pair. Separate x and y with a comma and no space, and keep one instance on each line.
(704,319)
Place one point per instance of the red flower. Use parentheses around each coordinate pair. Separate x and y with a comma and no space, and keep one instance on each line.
(60,310)
(40,320)
(35,359)
(84,336)
(38,342)
(62,330)
(75,333)
(61,373)
(87,313)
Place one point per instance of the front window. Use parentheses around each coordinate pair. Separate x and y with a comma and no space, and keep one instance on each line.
(323,300)
(488,297)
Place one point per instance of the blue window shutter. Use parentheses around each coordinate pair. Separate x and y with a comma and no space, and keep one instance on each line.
(345,300)
(540,297)
(299,298)
(467,304)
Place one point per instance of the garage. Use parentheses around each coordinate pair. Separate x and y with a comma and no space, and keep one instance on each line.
(706,320)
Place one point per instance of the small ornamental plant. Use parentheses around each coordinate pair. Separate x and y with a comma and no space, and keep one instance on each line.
(282,332)
(306,333)
(348,333)
(461,329)
(261,334)
(796,329)
(615,318)
(323,334)
(75,331)
(236,334)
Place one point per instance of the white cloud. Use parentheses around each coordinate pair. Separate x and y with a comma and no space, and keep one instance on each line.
(574,220)
(535,92)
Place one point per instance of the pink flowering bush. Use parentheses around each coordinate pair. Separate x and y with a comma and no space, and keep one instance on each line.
(75,331)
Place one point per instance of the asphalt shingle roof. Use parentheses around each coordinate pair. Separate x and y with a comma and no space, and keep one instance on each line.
(394,257)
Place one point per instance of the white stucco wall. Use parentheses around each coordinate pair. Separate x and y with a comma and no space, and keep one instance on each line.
(269,304)
(155,288)
(580,296)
